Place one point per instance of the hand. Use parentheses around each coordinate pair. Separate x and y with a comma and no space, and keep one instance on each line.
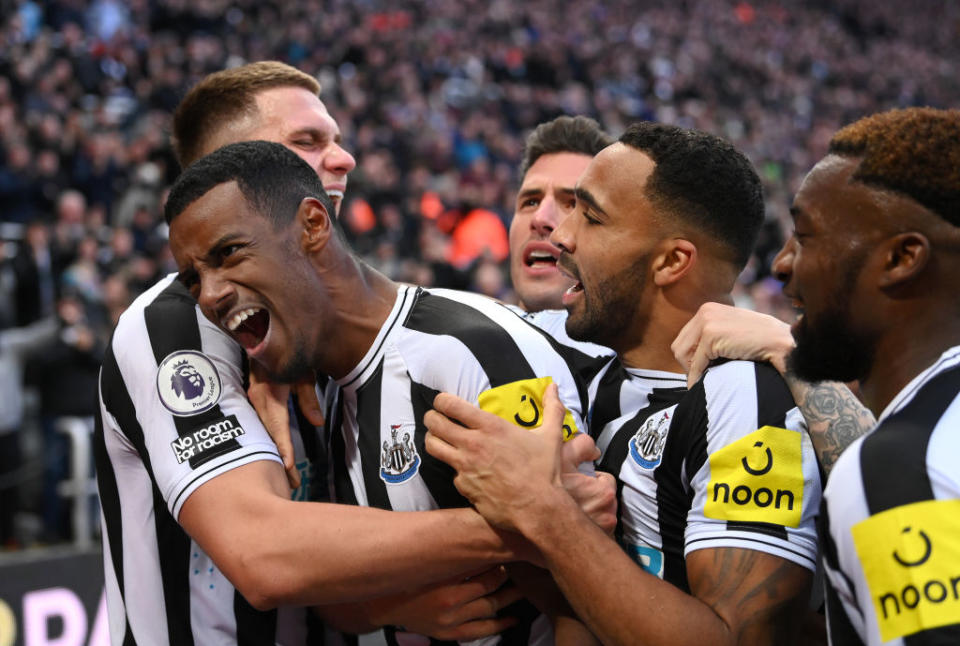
(270,402)
(718,331)
(306,393)
(506,471)
(458,609)
(596,495)
(595,492)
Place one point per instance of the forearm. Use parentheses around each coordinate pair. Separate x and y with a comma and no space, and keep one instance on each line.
(276,551)
(356,553)
(617,600)
(834,416)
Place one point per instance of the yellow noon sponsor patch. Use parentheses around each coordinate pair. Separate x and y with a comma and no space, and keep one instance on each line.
(911,560)
(521,402)
(758,478)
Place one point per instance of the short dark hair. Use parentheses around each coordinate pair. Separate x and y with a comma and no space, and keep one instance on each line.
(704,181)
(563,135)
(225,96)
(915,152)
(272,179)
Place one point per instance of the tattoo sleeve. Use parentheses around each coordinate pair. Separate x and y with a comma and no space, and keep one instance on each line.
(834,415)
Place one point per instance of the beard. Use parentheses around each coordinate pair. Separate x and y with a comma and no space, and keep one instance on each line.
(831,349)
(296,368)
(608,309)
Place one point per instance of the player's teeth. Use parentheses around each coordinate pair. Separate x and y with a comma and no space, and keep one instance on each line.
(239,318)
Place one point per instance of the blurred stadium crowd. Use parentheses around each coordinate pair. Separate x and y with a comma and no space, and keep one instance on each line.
(434,100)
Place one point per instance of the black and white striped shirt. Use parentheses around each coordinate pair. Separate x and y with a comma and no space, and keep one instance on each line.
(174,415)
(891,521)
(724,464)
(440,341)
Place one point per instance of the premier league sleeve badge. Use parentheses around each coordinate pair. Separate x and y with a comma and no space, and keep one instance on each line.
(188,383)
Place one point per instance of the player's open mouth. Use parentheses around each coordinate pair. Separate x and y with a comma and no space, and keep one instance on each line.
(335,196)
(249,326)
(540,256)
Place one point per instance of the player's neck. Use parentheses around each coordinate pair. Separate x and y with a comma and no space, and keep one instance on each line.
(360,302)
(903,353)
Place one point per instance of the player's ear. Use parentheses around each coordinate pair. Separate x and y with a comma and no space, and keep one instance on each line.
(677,257)
(905,256)
(315,222)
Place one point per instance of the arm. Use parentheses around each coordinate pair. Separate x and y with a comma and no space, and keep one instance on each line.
(458,609)
(834,415)
(513,477)
(276,551)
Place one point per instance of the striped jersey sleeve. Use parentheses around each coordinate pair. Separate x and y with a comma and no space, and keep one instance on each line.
(191,419)
(173,415)
(891,521)
(749,463)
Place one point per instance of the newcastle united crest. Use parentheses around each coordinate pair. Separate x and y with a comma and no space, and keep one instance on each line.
(646,447)
(399,460)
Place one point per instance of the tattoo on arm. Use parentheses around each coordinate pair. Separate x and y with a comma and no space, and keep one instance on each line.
(834,415)
(761,598)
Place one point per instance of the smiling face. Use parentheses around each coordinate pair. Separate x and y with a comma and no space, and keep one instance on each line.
(298,119)
(250,280)
(544,200)
(607,244)
(822,267)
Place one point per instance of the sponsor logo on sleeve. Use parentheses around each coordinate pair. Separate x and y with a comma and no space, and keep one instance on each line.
(911,560)
(206,440)
(521,402)
(399,460)
(188,383)
(758,478)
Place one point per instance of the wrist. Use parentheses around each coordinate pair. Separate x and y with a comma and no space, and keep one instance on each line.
(555,509)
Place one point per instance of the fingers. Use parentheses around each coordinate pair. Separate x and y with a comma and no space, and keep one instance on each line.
(553,411)
(466,413)
(439,448)
(685,345)
(441,426)
(306,392)
(699,362)
(581,448)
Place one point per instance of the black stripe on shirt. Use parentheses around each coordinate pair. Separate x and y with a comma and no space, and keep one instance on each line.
(491,345)
(369,398)
(254,628)
(436,474)
(173,545)
(899,446)
(606,402)
(172,327)
(774,400)
(110,501)
(685,450)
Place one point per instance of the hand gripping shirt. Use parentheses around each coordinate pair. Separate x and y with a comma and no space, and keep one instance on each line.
(440,341)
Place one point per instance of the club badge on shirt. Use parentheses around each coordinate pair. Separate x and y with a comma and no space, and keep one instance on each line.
(399,460)
(188,383)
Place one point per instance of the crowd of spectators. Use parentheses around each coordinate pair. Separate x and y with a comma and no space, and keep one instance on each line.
(434,100)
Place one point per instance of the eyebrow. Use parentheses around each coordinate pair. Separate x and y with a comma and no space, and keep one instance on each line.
(795,212)
(583,195)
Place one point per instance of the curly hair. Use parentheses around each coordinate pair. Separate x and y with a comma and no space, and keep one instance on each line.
(225,96)
(704,181)
(563,135)
(915,152)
